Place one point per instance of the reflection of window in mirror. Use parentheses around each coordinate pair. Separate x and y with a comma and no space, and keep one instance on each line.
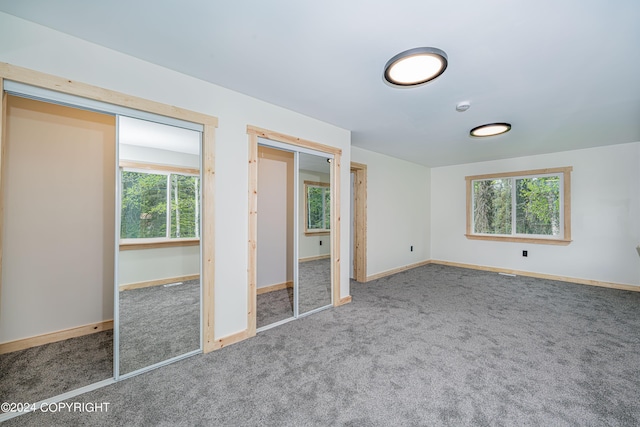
(159,205)
(317,208)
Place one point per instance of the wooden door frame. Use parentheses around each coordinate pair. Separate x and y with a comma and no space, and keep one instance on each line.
(360,218)
(209,123)
(252,279)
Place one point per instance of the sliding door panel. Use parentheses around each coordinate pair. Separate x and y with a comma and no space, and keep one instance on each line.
(293,232)
(314,232)
(275,275)
(56,298)
(159,223)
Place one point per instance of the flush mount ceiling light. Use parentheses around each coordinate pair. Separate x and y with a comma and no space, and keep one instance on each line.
(414,67)
(490,129)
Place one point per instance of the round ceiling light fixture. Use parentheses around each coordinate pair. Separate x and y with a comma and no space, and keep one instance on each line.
(490,129)
(416,66)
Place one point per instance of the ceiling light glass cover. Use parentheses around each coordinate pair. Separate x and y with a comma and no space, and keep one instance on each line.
(415,66)
(490,129)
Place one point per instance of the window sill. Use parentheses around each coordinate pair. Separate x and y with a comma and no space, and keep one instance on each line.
(317,233)
(534,240)
(129,245)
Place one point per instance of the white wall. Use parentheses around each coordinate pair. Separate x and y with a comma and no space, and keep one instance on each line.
(605,220)
(36,47)
(309,246)
(143,265)
(135,153)
(275,217)
(398,211)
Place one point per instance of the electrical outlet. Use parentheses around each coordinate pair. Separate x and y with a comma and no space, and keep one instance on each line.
(525,253)
(411,248)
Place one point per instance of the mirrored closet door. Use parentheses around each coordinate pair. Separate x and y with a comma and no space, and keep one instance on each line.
(293,233)
(314,232)
(159,252)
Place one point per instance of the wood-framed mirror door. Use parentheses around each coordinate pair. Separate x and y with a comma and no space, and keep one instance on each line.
(331,236)
(293,233)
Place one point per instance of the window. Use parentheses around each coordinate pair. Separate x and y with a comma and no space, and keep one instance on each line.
(159,205)
(317,207)
(528,206)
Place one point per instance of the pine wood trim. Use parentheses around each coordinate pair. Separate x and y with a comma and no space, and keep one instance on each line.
(554,277)
(397,270)
(59,84)
(360,216)
(579,281)
(158,167)
(230,339)
(345,300)
(567,203)
(317,184)
(3,138)
(47,81)
(51,337)
(276,287)
(254,133)
(559,242)
(252,276)
(335,227)
(157,282)
(317,233)
(314,258)
(469,223)
(563,170)
(287,139)
(149,244)
(566,180)
(208,236)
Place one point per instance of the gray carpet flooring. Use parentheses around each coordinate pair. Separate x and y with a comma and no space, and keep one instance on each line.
(432,346)
(314,287)
(314,284)
(158,323)
(41,372)
(274,306)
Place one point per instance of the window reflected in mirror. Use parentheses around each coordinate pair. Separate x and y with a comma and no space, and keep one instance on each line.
(160,205)
(317,207)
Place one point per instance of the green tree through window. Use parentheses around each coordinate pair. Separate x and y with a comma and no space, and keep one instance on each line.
(492,206)
(158,205)
(535,201)
(317,207)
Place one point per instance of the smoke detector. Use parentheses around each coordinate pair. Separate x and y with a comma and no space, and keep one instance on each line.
(463,106)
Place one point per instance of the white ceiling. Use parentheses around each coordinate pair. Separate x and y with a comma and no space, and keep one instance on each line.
(148,134)
(313,163)
(564,73)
